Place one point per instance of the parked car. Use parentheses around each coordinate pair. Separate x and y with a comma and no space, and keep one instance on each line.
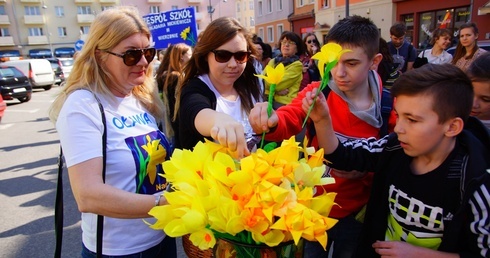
(38,71)
(14,84)
(59,76)
(3,106)
(485,44)
(66,64)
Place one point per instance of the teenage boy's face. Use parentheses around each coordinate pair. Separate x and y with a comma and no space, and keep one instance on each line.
(351,72)
(418,128)
(481,100)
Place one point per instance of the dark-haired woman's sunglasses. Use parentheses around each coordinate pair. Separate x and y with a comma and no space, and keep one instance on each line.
(314,41)
(133,56)
(223,56)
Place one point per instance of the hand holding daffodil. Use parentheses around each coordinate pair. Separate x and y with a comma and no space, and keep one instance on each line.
(273,76)
(327,59)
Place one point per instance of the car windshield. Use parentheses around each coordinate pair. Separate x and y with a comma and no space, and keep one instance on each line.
(67,62)
(9,72)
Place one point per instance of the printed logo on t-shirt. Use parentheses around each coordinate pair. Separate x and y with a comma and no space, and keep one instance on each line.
(131,121)
(149,151)
(399,60)
(407,214)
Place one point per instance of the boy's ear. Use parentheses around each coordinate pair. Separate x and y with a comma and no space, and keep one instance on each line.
(376,60)
(454,127)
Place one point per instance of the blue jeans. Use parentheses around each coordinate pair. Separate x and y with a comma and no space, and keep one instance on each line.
(166,248)
(342,238)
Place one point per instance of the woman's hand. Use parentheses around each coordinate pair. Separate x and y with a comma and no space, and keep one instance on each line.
(259,119)
(230,134)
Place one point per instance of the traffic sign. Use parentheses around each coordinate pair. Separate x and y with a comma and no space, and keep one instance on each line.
(79,45)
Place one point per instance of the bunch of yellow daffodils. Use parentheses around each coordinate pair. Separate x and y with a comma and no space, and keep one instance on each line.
(265,198)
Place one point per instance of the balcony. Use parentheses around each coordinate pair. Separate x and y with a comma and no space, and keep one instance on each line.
(85,18)
(4,19)
(155,1)
(83,1)
(37,40)
(194,1)
(30,1)
(6,41)
(33,19)
(107,1)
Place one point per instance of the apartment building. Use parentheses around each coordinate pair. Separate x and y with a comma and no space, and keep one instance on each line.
(420,16)
(43,28)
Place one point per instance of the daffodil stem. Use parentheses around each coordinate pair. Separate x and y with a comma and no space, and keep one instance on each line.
(322,86)
(270,100)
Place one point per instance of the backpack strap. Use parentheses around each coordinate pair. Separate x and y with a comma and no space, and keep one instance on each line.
(386,107)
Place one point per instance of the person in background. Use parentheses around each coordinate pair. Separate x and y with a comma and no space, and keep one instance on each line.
(219,89)
(168,76)
(292,48)
(355,101)
(258,63)
(267,54)
(310,69)
(479,73)
(440,40)
(403,52)
(114,67)
(387,69)
(467,49)
(431,187)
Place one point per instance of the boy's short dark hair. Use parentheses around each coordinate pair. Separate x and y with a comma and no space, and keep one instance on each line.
(479,70)
(449,86)
(356,31)
(398,29)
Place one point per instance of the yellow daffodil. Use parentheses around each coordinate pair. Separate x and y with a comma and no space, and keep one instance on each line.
(265,198)
(330,54)
(156,155)
(273,75)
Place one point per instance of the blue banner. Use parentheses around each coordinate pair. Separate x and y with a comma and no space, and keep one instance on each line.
(172,27)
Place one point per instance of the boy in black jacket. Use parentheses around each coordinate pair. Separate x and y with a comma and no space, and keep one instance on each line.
(431,189)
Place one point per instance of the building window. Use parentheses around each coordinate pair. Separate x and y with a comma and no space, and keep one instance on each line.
(325,3)
(251,5)
(260,8)
(84,10)
(4,32)
(280,30)
(174,7)
(252,21)
(32,10)
(60,11)
(237,7)
(62,31)
(270,34)
(105,7)
(269,6)
(154,9)
(36,32)
(279,5)
(261,32)
(244,6)
(2,10)
(84,30)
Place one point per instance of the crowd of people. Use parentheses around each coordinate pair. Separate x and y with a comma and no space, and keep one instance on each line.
(420,189)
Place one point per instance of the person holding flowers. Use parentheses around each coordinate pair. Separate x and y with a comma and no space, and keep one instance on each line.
(219,89)
(351,57)
(113,71)
(431,185)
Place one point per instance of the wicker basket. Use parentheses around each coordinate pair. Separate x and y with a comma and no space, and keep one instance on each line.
(193,251)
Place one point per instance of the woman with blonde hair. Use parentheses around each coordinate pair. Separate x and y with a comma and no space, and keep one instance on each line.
(113,70)
(168,75)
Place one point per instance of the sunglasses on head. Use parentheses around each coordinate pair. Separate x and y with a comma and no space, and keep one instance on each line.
(133,56)
(223,56)
(309,41)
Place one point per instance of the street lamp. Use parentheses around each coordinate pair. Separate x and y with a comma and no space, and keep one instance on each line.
(211,9)
(47,29)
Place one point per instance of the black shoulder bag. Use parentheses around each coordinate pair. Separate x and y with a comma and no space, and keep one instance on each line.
(420,61)
(58,211)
